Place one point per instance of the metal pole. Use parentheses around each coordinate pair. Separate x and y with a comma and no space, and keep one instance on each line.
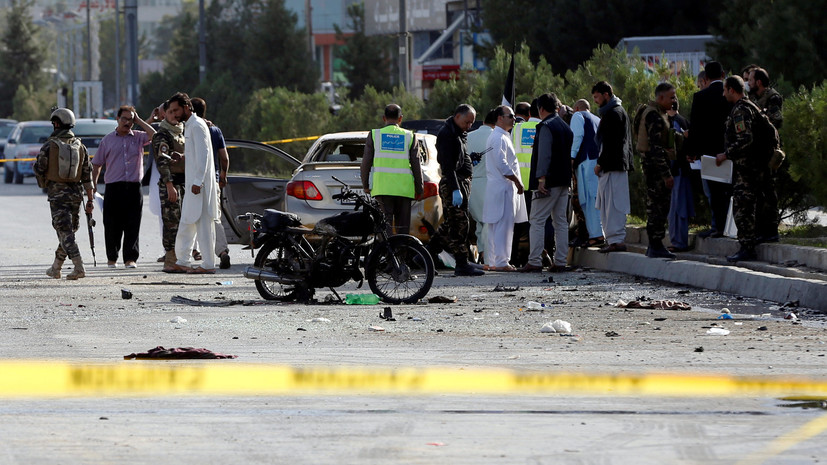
(202,44)
(118,99)
(88,44)
(130,20)
(308,12)
(403,45)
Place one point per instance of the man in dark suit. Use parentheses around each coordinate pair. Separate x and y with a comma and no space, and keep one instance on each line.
(708,118)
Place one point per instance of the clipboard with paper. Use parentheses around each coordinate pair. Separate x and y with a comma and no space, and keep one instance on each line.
(712,172)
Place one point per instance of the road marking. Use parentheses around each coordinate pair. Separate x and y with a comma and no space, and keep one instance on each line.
(787,441)
(50,379)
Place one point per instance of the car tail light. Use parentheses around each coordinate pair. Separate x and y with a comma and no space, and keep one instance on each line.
(429,189)
(304,190)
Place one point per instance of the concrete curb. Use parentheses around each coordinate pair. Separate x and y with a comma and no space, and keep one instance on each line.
(810,293)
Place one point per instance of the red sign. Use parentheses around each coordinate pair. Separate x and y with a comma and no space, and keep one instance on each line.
(439,72)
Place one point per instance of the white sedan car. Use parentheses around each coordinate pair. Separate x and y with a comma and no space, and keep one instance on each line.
(310,191)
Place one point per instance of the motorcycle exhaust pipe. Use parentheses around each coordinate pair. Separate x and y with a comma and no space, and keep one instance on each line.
(259,274)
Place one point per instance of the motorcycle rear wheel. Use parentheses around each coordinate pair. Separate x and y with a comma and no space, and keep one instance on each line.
(273,256)
(406,283)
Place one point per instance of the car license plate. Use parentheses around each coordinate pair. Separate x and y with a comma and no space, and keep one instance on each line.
(351,201)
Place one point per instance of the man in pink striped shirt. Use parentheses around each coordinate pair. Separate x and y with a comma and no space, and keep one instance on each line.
(121,152)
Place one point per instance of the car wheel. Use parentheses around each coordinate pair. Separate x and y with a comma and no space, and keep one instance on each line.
(8,173)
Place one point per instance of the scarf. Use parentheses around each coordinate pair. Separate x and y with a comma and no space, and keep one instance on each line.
(174,129)
(614,102)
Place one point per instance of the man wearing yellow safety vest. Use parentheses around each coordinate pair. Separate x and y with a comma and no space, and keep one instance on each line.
(522,136)
(390,170)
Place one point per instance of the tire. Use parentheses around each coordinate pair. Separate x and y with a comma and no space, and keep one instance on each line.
(407,284)
(8,173)
(273,256)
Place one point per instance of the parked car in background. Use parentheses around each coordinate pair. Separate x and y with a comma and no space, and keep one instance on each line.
(6,126)
(92,130)
(310,191)
(25,141)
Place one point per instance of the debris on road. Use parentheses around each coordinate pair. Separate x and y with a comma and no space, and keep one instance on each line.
(654,304)
(361,299)
(320,320)
(442,299)
(125,294)
(791,316)
(612,334)
(177,353)
(177,299)
(178,320)
(376,328)
(501,288)
(699,349)
(387,314)
(717,332)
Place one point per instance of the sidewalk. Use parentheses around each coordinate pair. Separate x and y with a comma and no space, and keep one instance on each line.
(782,273)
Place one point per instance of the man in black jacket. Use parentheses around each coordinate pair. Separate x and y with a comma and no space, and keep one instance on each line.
(550,182)
(613,166)
(710,110)
(454,188)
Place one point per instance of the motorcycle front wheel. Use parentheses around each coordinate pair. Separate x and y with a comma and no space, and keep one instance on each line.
(400,271)
(274,257)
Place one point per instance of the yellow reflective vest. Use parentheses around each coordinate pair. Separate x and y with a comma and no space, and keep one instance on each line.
(392,173)
(522,136)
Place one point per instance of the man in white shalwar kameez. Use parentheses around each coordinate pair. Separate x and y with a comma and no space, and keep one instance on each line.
(200,210)
(504,203)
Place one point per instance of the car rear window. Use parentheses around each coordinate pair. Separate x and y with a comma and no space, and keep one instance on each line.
(96,129)
(340,151)
(34,134)
(5,130)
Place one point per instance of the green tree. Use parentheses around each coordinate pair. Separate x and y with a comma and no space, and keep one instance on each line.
(367,59)
(783,36)
(21,55)
(566,31)
(33,104)
(366,112)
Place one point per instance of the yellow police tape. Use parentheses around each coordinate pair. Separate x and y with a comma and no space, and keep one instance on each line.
(49,379)
(269,142)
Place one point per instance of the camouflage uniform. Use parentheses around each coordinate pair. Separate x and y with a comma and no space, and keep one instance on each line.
(65,199)
(771,103)
(454,229)
(169,139)
(768,216)
(750,168)
(656,169)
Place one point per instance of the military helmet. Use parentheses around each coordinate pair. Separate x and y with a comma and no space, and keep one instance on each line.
(64,116)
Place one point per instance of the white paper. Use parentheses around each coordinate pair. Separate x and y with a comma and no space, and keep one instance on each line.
(695,165)
(711,171)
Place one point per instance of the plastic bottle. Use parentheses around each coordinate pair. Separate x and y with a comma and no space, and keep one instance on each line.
(532,305)
(361,299)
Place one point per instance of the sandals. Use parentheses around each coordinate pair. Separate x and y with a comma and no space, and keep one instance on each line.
(594,242)
(506,268)
(199,270)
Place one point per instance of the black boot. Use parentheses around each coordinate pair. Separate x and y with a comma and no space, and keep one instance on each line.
(463,268)
(657,250)
(746,253)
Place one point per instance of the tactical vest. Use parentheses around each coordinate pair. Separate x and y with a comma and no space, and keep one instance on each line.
(391,163)
(167,144)
(522,137)
(65,160)
(643,136)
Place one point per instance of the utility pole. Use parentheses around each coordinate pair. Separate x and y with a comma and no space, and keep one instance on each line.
(202,44)
(308,15)
(88,44)
(130,20)
(118,99)
(403,45)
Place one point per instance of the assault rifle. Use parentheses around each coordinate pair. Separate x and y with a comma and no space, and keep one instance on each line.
(90,223)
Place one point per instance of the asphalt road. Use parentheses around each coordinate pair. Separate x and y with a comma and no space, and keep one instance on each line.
(87,321)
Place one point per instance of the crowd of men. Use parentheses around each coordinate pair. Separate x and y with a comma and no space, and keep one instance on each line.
(516,172)
(190,165)
(521,165)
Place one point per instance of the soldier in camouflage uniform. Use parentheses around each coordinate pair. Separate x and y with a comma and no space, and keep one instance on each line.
(65,176)
(168,146)
(454,188)
(656,146)
(750,163)
(770,102)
